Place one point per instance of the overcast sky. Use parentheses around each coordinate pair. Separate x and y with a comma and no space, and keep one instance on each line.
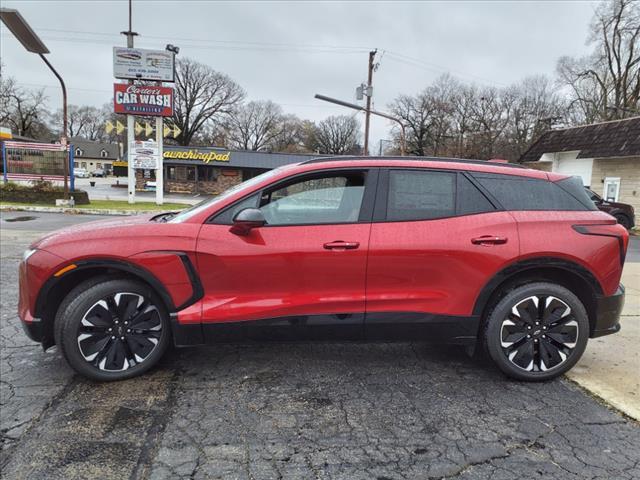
(288,51)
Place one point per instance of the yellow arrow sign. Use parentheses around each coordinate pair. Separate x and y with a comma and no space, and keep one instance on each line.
(109,127)
(176,131)
(166,130)
(138,128)
(148,129)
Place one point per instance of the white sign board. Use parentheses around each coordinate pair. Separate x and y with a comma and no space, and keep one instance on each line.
(143,64)
(144,155)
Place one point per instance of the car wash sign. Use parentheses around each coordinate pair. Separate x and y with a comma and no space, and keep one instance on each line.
(142,100)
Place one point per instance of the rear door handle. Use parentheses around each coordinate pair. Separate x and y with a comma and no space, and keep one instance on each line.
(341,245)
(489,240)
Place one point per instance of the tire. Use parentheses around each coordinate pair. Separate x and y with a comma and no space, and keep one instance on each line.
(95,329)
(530,351)
(623,220)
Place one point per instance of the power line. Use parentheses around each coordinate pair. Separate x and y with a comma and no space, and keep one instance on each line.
(257,48)
(398,57)
(211,41)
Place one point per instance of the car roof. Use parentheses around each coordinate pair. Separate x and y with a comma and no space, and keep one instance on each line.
(483,166)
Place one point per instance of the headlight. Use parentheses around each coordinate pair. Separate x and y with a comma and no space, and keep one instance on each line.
(27,253)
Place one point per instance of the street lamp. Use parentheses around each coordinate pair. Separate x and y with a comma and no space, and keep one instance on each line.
(372,112)
(30,40)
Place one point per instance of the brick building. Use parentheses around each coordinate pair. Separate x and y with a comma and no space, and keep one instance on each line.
(210,170)
(605,155)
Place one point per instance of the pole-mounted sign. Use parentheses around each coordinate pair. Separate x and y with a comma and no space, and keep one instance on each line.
(147,100)
(143,64)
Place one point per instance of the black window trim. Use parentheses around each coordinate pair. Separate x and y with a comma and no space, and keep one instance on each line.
(366,209)
(380,208)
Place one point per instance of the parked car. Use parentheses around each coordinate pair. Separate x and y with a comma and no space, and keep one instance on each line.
(349,249)
(98,172)
(80,173)
(150,186)
(624,213)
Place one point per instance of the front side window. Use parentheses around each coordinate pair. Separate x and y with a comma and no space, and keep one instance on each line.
(334,198)
(416,195)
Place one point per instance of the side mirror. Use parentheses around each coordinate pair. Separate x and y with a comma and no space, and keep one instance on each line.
(247,219)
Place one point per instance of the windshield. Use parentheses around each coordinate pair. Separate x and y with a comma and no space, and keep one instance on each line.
(211,202)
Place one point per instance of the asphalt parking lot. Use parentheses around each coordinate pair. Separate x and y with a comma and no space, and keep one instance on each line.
(348,411)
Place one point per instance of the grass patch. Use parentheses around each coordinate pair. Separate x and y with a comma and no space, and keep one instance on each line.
(109,205)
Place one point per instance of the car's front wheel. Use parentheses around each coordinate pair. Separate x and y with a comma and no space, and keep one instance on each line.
(537,332)
(112,329)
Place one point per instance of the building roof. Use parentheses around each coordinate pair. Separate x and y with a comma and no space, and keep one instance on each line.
(91,149)
(238,158)
(620,138)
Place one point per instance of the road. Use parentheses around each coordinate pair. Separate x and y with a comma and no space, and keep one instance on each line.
(292,411)
(103,190)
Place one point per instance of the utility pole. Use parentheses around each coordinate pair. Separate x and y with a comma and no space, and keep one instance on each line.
(367,112)
(131,173)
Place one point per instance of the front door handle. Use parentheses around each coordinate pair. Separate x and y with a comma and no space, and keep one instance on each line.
(341,245)
(489,240)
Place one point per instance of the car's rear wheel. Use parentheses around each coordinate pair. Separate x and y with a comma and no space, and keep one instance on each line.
(537,332)
(113,329)
(624,220)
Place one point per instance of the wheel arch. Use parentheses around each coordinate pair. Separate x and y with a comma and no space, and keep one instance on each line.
(55,289)
(571,275)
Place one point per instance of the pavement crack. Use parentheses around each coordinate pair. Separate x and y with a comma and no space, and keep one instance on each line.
(151,443)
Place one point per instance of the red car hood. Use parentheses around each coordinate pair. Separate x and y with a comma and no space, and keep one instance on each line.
(109,228)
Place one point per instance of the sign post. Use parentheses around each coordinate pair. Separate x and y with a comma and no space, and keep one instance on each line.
(160,167)
(131,173)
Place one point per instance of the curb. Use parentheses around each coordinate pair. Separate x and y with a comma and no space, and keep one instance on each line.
(74,211)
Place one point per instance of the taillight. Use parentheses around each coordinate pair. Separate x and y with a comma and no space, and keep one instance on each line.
(608,230)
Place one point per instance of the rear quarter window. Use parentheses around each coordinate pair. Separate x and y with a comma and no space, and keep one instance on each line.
(519,193)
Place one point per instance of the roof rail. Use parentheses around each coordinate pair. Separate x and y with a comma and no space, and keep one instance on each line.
(430,159)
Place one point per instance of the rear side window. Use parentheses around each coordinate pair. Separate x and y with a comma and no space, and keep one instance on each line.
(574,187)
(470,199)
(518,193)
(415,195)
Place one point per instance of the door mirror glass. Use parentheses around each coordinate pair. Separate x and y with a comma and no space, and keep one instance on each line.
(247,219)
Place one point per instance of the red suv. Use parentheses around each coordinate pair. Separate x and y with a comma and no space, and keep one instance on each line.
(467,252)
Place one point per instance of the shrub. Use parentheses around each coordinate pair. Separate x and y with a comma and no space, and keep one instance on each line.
(40,191)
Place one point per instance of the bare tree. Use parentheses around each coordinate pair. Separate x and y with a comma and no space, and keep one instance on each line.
(83,121)
(24,111)
(428,117)
(415,112)
(210,135)
(293,136)
(203,95)
(255,125)
(606,84)
(338,135)
(7,92)
(535,107)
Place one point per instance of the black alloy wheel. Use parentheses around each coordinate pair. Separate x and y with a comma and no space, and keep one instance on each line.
(112,329)
(537,331)
(119,331)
